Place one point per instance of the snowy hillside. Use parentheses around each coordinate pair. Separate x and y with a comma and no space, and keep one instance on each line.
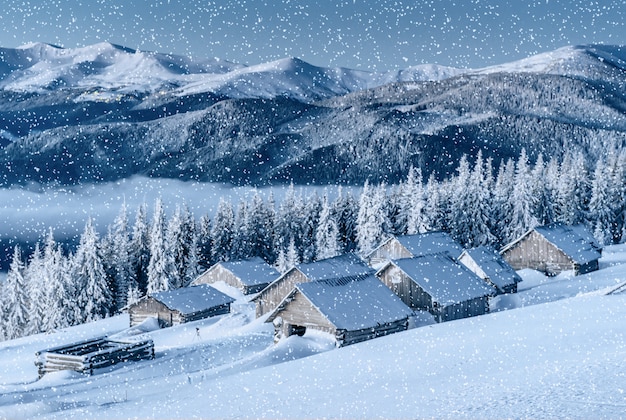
(104,112)
(558,352)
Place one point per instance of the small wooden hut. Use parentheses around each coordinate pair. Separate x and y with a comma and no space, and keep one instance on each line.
(249,276)
(409,246)
(87,355)
(179,306)
(554,248)
(351,309)
(489,265)
(348,265)
(438,284)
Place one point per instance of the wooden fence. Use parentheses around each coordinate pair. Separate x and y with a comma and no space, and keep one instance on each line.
(85,356)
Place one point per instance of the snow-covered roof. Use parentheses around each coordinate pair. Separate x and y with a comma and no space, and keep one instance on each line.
(446,280)
(346,265)
(430,243)
(252,272)
(493,265)
(188,300)
(354,303)
(575,241)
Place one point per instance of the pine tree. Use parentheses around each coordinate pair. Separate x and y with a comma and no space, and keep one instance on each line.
(503,202)
(56,292)
(523,200)
(433,212)
(15,298)
(94,297)
(344,210)
(181,246)
(36,295)
(601,214)
(327,234)
(223,231)
(160,266)
(140,251)
(243,236)
(119,258)
(205,242)
(414,203)
(371,219)
(310,221)
(289,220)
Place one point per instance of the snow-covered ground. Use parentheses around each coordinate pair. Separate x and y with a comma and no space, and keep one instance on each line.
(559,353)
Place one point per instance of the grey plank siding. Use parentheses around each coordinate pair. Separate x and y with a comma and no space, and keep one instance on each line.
(390,250)
(300,312)
(405,288)
(149,307)
(536,253)
(272,295)
(218,273)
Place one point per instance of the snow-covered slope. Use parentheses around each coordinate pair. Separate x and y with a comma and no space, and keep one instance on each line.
(560,353)
(104,66)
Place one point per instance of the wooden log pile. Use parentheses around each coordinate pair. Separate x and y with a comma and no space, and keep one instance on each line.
(85,356)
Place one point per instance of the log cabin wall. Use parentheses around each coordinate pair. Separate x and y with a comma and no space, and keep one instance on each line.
(392,250)
(536,253)
(300,312)
(218,273)
(150,307)
(406,289)
(271,297)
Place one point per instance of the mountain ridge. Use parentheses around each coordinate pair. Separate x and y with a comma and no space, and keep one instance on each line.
(291,121)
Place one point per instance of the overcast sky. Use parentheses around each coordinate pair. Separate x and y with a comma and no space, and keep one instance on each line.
(369,35)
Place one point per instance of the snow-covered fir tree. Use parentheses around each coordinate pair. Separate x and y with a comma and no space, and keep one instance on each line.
(204,242)
(223,231)
(181,246)
(414,202)
(140,251)
(93,295)
(160,266)
(371,219)
(14,303)
(327,234)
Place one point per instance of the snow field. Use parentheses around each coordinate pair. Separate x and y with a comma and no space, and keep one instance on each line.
(559,354)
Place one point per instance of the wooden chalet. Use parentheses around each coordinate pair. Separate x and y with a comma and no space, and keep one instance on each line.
(174,307)
(554,248)
(249,276)
(351,309)
(409,246)
(348,265)
(489,265)
(438,284)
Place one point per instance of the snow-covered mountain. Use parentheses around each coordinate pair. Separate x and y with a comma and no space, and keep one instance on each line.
(555,349)
(106,112)
(110,68)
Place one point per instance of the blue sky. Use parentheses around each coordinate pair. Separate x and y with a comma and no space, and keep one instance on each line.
(369,35)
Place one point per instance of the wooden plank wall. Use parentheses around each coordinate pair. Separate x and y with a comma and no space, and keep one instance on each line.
(392,250)
(271,297)
(536,253)
(301,312)
(400,284)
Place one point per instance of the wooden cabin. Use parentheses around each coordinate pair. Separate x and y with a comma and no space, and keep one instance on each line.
(249,276)
(554,248)
(409,246)
(179,306)
(489,265)
(351,309)
(438,284)
(348,265)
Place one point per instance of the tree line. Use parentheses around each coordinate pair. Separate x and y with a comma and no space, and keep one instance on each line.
(54,288)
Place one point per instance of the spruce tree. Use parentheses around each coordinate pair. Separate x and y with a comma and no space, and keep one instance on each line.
(140,251)
(327,234)
(223,231)
(94,298)
(15,298)
(160,266)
